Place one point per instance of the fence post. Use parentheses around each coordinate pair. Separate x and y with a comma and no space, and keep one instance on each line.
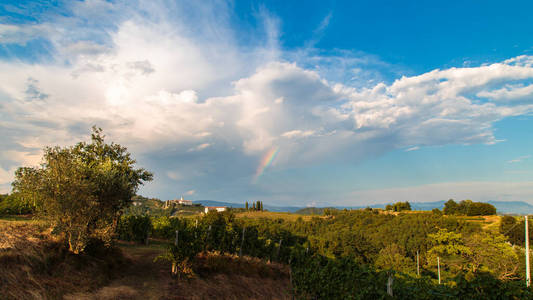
(389,284)
(438,266)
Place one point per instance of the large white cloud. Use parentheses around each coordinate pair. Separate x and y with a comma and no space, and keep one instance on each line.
(171,91)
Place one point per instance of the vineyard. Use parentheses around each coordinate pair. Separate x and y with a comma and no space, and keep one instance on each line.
(318,270)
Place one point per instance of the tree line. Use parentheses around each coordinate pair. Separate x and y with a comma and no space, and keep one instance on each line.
(468,208)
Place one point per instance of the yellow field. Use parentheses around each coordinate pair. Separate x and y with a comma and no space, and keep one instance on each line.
(272,215)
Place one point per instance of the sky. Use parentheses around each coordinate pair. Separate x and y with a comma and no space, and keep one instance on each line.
(346,103)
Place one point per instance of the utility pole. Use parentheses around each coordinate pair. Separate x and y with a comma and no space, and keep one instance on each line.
(438,266)
(528,276)
(417,264)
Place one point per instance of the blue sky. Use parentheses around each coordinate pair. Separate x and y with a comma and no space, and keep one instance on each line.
(366,102)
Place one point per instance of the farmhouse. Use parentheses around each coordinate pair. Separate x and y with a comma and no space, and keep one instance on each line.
(215,208)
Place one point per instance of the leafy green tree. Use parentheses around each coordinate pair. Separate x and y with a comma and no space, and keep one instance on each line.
(450,246)
(450,207)
(14,204)
(436,211)
(82,189)
(392,257)
(491,253)
(401,206)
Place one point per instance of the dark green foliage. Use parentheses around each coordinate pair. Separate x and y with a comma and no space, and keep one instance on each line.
(134,228)
(335,257)
(14,204)
(316,211)
(450,207)
(514,230)
(83,189)
(400,206)
(318,277)
(468,208)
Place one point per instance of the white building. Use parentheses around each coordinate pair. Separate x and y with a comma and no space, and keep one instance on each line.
(215,208)
(178,201)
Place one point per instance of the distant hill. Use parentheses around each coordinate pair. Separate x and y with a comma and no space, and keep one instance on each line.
(512,207)
(241,205)
(503,207)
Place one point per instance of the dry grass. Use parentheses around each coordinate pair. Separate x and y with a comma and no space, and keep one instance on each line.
(231,277)
(273,215)
(34,265)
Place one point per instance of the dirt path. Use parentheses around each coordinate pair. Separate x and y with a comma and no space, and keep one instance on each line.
(231,279)
(141,279)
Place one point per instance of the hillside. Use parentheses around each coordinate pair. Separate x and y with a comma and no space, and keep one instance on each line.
(34,265)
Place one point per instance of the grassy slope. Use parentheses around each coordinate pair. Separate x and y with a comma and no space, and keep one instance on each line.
(272,215)
(35,266)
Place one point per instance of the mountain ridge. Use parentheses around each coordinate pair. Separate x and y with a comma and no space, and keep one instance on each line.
(502,207)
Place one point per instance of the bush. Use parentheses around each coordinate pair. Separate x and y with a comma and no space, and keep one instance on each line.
(14,205)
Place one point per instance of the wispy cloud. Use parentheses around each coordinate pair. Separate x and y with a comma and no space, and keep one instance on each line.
(519,159)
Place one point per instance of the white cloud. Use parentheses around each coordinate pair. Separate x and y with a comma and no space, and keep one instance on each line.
(297,133)
(190,192)
(509,92)
(21,34)
(199,147)
(519,159)
(412,149)
(174,175)
(168,87)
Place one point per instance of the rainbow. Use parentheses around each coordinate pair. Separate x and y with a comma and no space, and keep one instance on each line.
(265,162)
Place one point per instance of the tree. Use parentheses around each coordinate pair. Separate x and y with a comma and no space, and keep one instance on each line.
(400,206)
(392,257)
(449,245)
(450,207)
(246,205)
(491,253)
(82,189)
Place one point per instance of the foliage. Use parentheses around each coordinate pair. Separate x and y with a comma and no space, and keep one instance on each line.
(256,206)
(392,258)
(400,206)
(82,189)
(134,228)
(13,204)
(351,254)
(468,208)
(514,230)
